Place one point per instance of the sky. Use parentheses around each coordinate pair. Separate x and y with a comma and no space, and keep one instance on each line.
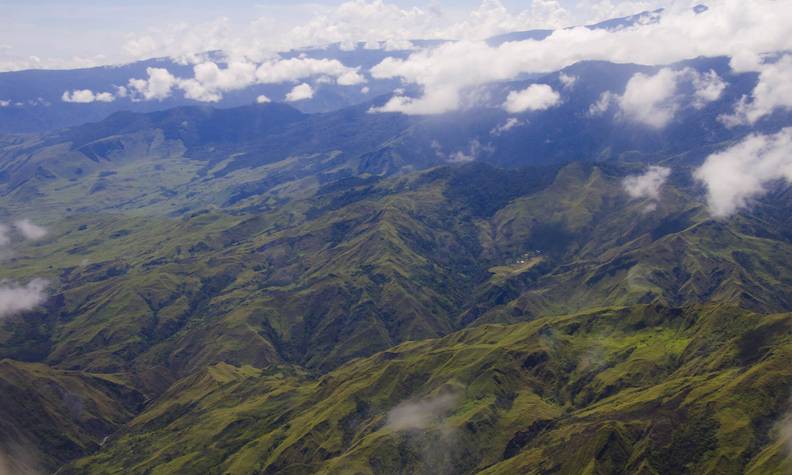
(65,34)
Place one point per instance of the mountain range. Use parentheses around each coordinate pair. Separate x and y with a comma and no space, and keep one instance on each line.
(322,288)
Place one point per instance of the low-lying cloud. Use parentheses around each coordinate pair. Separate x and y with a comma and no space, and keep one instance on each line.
(158,86)
(773,91)
(16,298)
(30,230)
(300,92)
(647,185)
(729,28)
(649,99)
(210,81)
(420,414)
(508,125)
(86,96)
(536,97)
(24,227)
(654,100)
(743,172)
(5,238)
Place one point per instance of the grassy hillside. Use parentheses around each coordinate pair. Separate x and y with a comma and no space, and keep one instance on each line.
(646,389)
(300,308)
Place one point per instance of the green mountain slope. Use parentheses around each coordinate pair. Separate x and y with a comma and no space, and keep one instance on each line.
(602,390)
(224,308)
(49,415)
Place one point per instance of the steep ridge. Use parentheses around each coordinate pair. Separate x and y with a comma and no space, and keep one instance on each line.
(251,303)
(261,290)
(600,389)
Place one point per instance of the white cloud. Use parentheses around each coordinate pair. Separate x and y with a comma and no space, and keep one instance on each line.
(773,91)
(381,25)
(417,415)
(510,123)
(158,86)
(726,29)
(13,62)
(262,99)
(493,18)
(5,239)
(300,92)
(368,22)
(602,105)
(653,100)
(185,43)
(398,45)
(474,150)
(237,75)
(105,97)
(350,78)
(4,103)
(15,298)
(567,80)
(365,90)
(29,230)
(210,81)
(647,185)
(295,69)
(536,97)
(708,88)
(744,171)
(86,96)
(650,99)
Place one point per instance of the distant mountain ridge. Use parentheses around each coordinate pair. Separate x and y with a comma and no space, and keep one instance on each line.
(35,103)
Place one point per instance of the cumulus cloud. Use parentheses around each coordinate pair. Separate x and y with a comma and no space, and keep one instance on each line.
(210,81)
(648,184)
(376,24)
(300,92)
(602,105)
(15,298)
(653,100)
(158,86)
(368,22)
(295,69)
(474,150)
(508,125)
(4,103)
(86,96)
(536,97)
(185,43)
(420,414)
(493,18)
(708,88)
(726,29)
(350,78)
(262,99)
(567,80)
(773,91)
(650,99)
(735,176)
(29,230)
